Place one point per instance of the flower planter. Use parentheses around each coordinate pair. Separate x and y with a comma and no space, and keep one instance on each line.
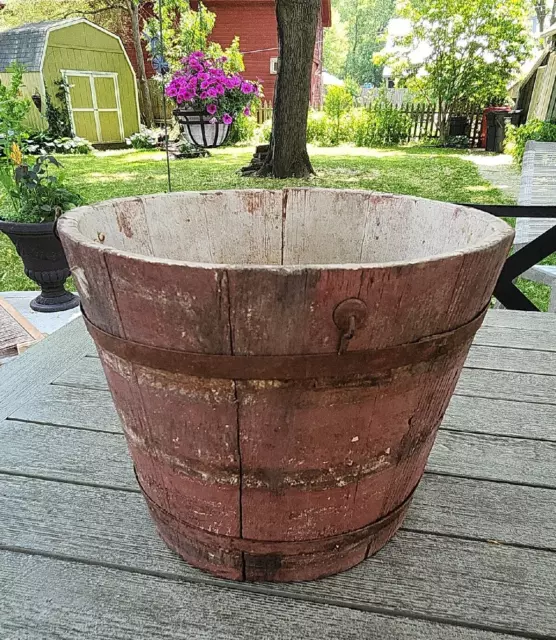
(281,361)
(200,131)
(44,262)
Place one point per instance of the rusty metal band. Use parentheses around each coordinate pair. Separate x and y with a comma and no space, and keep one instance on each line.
(286,547)
(287,367)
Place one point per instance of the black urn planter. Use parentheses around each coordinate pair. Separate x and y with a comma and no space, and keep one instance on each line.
(45,263)
(198,129)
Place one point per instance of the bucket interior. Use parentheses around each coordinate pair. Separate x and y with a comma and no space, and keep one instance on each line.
(288,227)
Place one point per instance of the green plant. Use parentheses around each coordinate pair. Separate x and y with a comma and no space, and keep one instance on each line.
(473,50)
(36,195)
(44,143)
(13,109)
(263,132)
(337,103)
(58,116)
(381,124)
(517,137)
(145,139)
(242,130)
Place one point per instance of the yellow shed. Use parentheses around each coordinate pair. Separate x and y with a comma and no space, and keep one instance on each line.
(101,87)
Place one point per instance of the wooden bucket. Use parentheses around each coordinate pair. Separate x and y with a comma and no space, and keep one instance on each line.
(281,360)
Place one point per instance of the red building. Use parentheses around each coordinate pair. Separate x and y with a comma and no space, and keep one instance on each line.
(254,21)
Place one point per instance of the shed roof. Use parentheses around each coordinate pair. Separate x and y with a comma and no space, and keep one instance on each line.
(26,44)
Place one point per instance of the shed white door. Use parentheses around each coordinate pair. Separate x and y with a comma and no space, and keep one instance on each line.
(94,104)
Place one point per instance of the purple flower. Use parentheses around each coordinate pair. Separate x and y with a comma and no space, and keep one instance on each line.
(212,92)
(246,87)
(247,111)
(204,95)
(212,109)
(227,118)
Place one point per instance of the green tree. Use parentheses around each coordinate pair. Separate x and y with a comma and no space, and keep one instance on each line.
(337,103)
(13,109)
(363,24)
(460,53)
(336,46)
(545,11)
(185,31)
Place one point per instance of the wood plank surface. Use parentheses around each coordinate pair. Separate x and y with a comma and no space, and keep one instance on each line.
(506,385)
(74,601)
(87,373)
(93,409)
(518,360)
(20,378)
(544,322)
(494,458)
(71,455)
(91,523)
(70,407)
(523,338)
(501,417)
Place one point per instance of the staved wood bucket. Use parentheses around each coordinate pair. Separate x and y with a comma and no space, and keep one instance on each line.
(281,360)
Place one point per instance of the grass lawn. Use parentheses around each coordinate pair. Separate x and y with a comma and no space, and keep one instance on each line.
(429,173)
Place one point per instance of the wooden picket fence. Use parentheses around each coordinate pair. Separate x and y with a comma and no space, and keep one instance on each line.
(264,112)
(425,121)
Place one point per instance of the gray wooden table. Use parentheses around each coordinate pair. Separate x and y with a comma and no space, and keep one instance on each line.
(79,557)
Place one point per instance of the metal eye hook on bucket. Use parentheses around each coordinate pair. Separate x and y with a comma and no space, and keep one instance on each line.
(349,315)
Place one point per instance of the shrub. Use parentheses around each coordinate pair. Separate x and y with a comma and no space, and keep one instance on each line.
(263,132)
(36,195)
(44,143)
(242,130)
(145,139)
(57,115)
(381,124)
(13,109)
(337,103)
(517,137)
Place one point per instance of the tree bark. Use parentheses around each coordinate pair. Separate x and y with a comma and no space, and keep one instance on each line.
(297,30)
(146,103)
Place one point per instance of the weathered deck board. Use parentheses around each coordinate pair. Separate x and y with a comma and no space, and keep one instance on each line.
(22,377)
(494,458)
(101,458)
(87,373)
(92,409)
(72,455)
(506,385)
(440,567)
(518,360)
(70,407)
(501,417)
(522,338)
(74,601)
(114,526)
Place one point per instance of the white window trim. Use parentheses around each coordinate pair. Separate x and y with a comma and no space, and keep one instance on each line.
(67,73)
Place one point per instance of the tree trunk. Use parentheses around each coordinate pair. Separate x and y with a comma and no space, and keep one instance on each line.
(146,103)
(297,30)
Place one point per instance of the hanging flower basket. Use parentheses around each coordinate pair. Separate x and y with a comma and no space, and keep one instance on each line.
(200,129)
(209,98)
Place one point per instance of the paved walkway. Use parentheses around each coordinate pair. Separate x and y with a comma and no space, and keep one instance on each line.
(499,171)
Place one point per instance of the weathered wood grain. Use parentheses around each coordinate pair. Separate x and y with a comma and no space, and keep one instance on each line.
(20,378)
(70,407)
(518,338)
(545,322)
(91,523)
(71,455)
(507,385)
(494,458)
(501,417)
(73,601)
(516,360)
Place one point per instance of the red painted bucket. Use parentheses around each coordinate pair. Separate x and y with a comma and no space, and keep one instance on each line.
(281,360)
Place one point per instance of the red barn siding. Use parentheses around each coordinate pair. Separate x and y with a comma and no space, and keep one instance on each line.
(254,21)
